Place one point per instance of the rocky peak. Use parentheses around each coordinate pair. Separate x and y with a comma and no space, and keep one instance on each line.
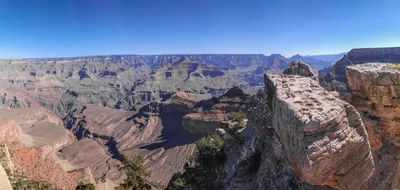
(302,69)
(296,57)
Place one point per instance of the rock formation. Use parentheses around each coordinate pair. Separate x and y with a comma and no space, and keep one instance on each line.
(78,118)
(32,136)
(306,135)
(375,93)
(336,78)
(210,115)
(376,82)
(302,69)
(323,136)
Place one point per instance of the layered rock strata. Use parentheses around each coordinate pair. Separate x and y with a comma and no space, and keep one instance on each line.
(377,82)
(375,90)
(322,136)
(336,78)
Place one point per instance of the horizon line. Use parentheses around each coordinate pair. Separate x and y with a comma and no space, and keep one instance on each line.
(172,54)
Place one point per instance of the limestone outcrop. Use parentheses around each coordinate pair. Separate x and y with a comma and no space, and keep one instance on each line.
(322,136)
(376,82)
(375,94)
(302,69)
(300,136)
(336,78)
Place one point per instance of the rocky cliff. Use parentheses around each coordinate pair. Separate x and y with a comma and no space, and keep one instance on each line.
(306,135)
(375,93)
(117,106)
(379,83)
(32,137)
(336,78)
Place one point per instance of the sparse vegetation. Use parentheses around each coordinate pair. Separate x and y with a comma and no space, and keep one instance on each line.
(85,186)
(20,182)
(32,184)
(135,172)
(239,117)
(178,183)
(210,151)
(205,166)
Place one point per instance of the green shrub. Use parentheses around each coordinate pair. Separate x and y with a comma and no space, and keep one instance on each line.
(239,116)
(135,172)
(178,183)
(85,186)
(208,158)
(210,151)
(32,184)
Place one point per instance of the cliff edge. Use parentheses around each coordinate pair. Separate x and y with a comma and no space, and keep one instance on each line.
(322,136)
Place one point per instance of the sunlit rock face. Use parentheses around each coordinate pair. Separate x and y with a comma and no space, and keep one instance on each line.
(300,136)
(322,136)
(375,94)
(336,78)
(376,82)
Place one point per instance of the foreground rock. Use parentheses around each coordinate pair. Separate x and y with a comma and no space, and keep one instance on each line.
(306,138)
(375,93)
(323,136)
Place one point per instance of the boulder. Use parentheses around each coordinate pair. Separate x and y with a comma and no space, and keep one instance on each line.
(302,69)
(322,136)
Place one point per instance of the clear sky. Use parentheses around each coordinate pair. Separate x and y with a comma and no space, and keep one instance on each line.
(57,28)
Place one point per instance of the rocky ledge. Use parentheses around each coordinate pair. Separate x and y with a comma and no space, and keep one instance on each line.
(375,91)
(377,82)
(322,136)
(336,78)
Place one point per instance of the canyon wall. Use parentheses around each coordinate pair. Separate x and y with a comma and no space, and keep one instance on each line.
(375,91)
(336,78)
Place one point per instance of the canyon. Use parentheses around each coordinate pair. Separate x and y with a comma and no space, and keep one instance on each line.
(78,118)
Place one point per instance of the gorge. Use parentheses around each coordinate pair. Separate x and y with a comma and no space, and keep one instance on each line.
(78,118)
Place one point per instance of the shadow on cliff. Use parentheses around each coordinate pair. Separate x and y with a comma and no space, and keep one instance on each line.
(172,134)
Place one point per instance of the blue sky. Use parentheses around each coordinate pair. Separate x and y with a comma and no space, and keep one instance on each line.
(60,28)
